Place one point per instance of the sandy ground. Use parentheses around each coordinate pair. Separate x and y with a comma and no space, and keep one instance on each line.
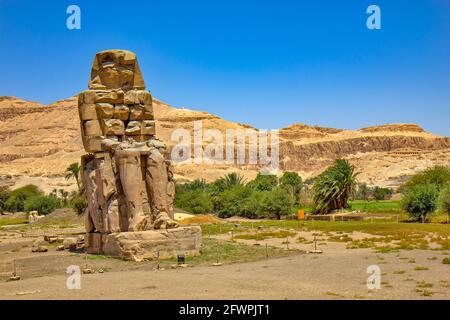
(337,273)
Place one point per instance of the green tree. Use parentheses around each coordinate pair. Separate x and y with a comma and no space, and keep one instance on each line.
(437,175)
(64,197)
(276,202)
(78,203)
(444,201)
(333,187)
(18,196)
(73,171)
(264,182)
(381,193)
(292,182)
(4,195)
(229,181)
(363,192)
(252,207)
(194,201)
(231,201)
(421,200)
(41,204)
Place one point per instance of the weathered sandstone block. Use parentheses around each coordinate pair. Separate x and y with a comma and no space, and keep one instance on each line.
(145,245)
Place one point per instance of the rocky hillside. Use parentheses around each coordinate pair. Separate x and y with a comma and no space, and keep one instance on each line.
(38,142)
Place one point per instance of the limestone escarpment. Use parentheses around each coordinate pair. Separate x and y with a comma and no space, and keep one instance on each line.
(44,143)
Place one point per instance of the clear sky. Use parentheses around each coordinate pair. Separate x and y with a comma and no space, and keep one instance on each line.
(266,63)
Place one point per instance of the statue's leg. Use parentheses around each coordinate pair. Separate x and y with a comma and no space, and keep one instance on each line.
(90,168)
(157,183)
(108,194)
(133,188)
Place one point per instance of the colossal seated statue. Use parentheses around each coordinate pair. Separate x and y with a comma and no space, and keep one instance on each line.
(127,179)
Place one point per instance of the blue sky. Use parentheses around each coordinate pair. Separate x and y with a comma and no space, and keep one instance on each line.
(266,63)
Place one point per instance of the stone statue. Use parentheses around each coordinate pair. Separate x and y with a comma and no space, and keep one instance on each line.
(128,181)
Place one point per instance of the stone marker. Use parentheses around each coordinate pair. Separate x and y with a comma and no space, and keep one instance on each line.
(127,176)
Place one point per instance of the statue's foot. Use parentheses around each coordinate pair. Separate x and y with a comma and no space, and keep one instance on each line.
(164,222)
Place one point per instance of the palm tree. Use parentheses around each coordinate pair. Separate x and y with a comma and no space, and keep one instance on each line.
(333,187)
(230,180)
(73,171)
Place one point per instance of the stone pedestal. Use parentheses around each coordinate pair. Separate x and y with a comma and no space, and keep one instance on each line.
(145,245)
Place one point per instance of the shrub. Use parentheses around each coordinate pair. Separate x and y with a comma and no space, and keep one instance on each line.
(79,203)
(444,200)
(437,175)
(252,206)
(17,197)
(421,200)
(292,183)
(4,195)
(264,182)
(276,202)
(41,204)
(232,201)
(194,201)
(381,193)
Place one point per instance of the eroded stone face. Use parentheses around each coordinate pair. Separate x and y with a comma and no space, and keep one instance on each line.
(127,179)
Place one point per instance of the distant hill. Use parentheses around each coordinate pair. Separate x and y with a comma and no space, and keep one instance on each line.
(39,141)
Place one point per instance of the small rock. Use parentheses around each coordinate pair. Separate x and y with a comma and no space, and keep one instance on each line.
(60,248)
(39,249)
(52,239)
(39,241)
(68,242)
(101,270)
(14,278)
(88,271)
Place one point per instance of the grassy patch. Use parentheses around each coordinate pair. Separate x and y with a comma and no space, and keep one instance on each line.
(265,234)
(12,221)
(382,206)
(399,272)
(421,268)
(97,257)
(334,294)
(229,252)
(423,284)
(446,261)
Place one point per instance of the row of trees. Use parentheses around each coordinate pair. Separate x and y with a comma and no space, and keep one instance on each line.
(265,196)
(366,193)
(31,198)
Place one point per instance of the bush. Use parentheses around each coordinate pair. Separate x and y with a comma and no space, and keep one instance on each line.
(194,201)
(292,183)
(276,202)
(17,197)
(437,175)
(4,195)
(79,204)
(444,200)
(232,201)
(41,204)
(421,200)
(381,193)
(264,182)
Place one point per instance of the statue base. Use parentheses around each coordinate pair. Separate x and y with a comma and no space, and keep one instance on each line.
(147,245)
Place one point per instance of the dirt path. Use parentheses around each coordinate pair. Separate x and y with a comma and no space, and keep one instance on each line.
(331,275)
